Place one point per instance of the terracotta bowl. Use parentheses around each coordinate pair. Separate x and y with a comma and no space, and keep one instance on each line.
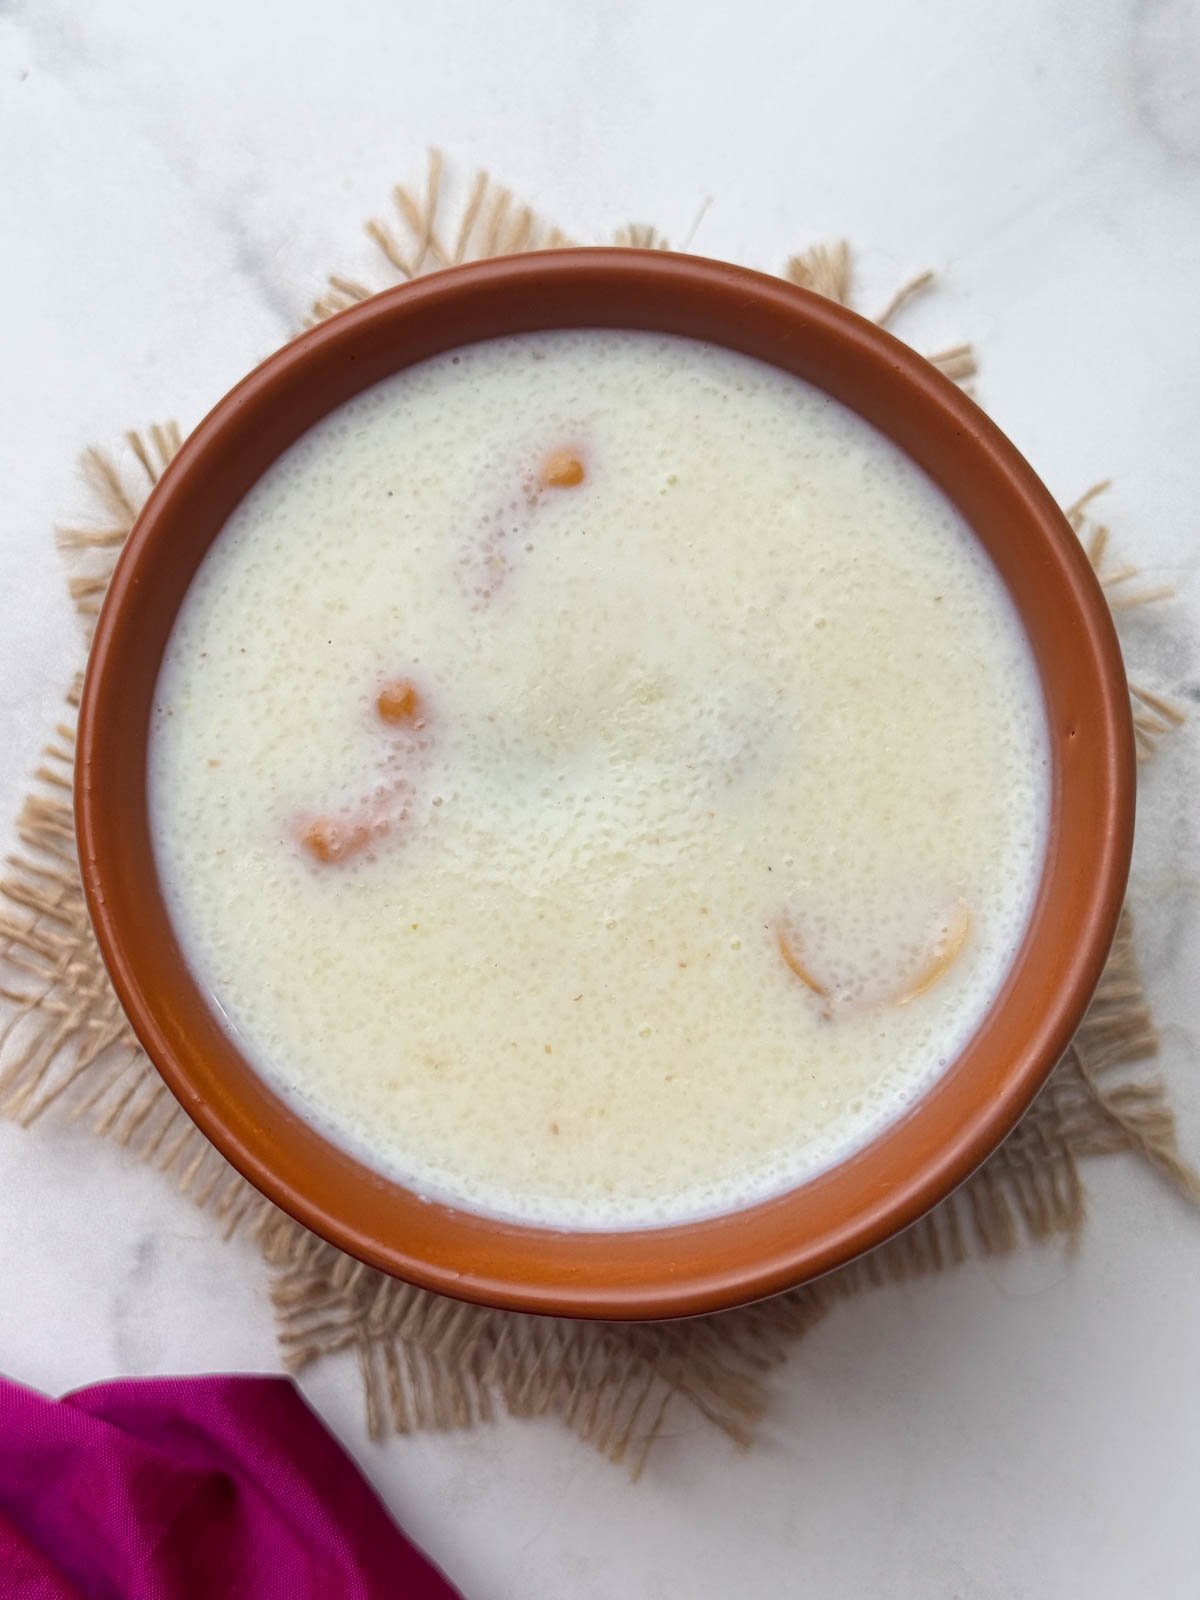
(914,1163)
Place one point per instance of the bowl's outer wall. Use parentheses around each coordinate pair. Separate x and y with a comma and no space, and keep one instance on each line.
(701,1265)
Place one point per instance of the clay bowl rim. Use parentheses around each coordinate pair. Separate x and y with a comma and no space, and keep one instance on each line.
(715,1262)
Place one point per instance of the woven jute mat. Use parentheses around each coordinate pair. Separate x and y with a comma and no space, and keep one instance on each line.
(426,1361)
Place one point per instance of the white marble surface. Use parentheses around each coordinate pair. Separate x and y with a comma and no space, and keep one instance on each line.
(176,180)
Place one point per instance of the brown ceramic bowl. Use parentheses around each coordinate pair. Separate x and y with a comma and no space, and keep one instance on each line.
(914,1163)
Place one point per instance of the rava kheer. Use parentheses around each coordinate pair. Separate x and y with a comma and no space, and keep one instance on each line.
(598,778)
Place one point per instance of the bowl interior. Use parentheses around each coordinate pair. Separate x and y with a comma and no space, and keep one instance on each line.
(913,1163)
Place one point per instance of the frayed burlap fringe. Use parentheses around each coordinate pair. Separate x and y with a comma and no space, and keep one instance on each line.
(427,1361)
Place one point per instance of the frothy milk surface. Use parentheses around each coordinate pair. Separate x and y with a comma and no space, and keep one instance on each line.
(598,778)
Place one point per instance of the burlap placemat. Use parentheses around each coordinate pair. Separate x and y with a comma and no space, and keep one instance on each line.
(427,1361)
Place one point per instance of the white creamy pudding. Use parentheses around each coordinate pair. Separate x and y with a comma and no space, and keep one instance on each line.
(599,779)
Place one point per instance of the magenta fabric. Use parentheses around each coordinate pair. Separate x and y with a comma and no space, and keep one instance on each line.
(191,1489)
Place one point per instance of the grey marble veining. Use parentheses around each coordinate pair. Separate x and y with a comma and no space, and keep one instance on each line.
(1165,68)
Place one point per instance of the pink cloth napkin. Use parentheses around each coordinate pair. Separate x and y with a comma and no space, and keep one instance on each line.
(190,1489)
